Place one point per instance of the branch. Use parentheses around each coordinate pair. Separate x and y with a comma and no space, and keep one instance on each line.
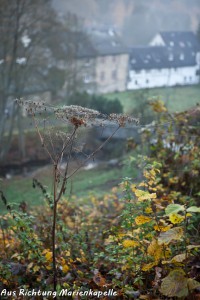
(93,153)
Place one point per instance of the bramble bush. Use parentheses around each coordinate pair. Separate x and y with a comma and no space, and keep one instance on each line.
(141,239)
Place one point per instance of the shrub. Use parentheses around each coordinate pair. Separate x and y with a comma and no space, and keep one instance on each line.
(97,102)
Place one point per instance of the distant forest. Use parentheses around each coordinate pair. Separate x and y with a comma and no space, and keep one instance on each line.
(136,20)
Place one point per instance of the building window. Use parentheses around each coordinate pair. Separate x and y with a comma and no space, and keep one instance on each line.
(147,81)
(114,74)
(102,76)
(136,82)
(87,78)
(171,57)
(182,44)
(102,59)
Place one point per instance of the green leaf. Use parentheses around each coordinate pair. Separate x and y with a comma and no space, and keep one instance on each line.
(175,284)
(194,209)
(172,234)
(173,209)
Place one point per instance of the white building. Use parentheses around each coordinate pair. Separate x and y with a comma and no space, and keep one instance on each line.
(173,58)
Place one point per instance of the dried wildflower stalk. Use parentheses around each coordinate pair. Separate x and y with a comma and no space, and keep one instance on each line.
(75,117)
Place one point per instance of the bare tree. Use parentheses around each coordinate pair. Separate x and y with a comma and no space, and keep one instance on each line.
(25,60)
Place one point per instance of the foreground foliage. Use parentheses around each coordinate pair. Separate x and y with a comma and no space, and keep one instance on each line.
(141,239)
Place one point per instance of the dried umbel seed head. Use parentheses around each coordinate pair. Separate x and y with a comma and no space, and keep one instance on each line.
(77,115)
(77,122)
(32,107)
(123,120)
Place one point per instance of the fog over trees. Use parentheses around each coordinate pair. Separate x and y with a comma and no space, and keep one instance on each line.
(137,20)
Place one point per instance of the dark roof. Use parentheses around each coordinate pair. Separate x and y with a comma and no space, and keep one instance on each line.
(83,45)
(181,40)
(159,57)
(107,43)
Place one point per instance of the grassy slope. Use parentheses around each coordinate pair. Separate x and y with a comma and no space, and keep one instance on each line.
(177,98)
(98,180)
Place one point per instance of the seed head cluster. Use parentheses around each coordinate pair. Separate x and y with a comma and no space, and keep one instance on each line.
(76,115)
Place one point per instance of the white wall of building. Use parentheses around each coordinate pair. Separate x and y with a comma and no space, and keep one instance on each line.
(157,41)
(162,77)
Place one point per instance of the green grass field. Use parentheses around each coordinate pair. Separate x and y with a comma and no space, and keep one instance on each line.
(98,180)
(176,98)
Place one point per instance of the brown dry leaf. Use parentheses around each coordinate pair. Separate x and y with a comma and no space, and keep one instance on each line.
(157,278)
(175,284)
(192,284)
(190,247)
(99,279)
(145,297)
(179,258)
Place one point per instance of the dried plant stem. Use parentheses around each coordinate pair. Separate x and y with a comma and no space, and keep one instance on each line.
(56,199)
(41,138)
(54,227)
(93,153)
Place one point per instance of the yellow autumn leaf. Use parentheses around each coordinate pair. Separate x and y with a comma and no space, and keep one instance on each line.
(36,269)
(65,269)
(30,266)
(148,210)
(144,195)
(48,256)
(139,220)
(176,218)
(144,184)
(67,253)
(155,250)
(62,261)
(147,267)
(188,215)
(162,228)
(129,243)
(158,106)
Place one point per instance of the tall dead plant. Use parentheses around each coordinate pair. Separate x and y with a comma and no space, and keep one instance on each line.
(60,130)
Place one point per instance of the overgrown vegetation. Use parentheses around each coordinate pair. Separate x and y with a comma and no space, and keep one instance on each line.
(98,102)
(141,239)
(177,99)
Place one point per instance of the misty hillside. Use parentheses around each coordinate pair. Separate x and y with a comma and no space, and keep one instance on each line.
(137,20)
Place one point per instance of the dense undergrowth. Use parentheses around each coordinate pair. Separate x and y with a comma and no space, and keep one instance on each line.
(141,239)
